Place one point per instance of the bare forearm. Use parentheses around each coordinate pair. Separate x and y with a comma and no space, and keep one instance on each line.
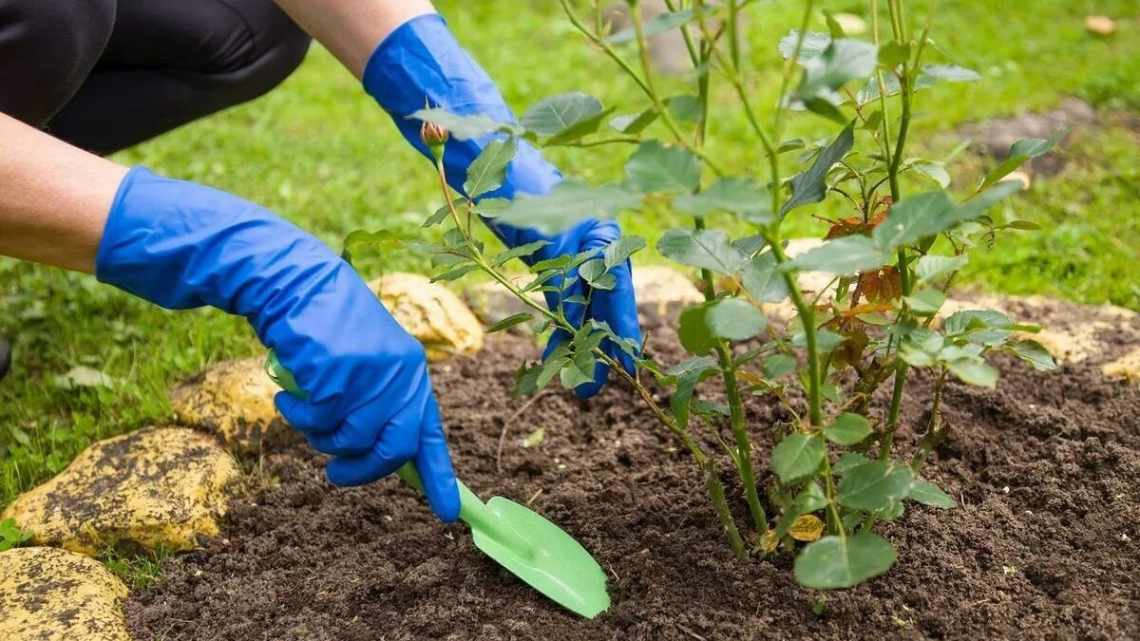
(54,198)
(351,29)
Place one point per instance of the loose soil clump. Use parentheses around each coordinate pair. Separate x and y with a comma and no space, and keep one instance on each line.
(1045,543)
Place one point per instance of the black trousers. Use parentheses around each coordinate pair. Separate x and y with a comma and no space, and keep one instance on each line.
(107,74)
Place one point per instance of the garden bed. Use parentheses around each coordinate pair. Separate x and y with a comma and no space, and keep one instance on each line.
(1045,543)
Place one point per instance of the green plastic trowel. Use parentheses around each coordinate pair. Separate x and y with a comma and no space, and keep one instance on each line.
(529,546)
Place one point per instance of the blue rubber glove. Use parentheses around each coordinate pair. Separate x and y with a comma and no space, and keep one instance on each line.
(369,400)
(420,63)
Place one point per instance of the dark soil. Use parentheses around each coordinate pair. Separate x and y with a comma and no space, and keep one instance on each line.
(1045,545)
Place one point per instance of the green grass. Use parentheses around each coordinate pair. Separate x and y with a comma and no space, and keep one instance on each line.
(320,152)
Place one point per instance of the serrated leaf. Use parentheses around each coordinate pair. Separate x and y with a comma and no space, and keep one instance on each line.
(914,218)
(741,196)
(848,462)
(556,114)
(843,255)
(1033,353)
(705,249)
(734,319)
(848,429)
(814,44)
(894,53)
(763,280)
(464,127)
(361,239)
(843,60)
(521,251)
(949,73)
(456,273)
(811,186)
(634,123)
(657,168)
(873,486)
(694,332)
(931,266)
(935,171)
(685,108)
(778,365)
(928,493)
(842,562)
(811,498)
(621,249)
(926,302)
(797,456)
(1021,151)
(594,272)
(510,321)
(489,168)
(567,204)
(974,371)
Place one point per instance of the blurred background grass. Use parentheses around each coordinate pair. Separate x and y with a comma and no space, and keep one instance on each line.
(320,152)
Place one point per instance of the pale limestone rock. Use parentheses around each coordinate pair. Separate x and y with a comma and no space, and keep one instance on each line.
(232,399)
(1100,25)
(1126,367)
(664,289)
(432,313)
(157,487)
(47,594)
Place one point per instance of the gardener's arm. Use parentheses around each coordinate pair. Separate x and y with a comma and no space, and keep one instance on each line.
(368,400)
(406,58)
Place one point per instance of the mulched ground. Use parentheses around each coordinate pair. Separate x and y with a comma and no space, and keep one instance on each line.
(1045,545)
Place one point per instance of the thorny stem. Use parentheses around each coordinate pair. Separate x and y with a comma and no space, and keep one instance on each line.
(706,465)
(934,431)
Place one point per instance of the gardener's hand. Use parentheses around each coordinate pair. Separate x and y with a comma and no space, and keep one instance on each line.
(368,399)
(421,63)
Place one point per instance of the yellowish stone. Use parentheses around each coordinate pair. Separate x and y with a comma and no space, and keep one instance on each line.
(1126,367)
(157,487)
(432,313)
(47,594)
(232,399)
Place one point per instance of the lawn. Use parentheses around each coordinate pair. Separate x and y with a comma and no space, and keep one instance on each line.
(321,153)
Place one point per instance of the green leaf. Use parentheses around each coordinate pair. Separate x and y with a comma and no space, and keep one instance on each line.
(734,319)
(978,205)
(931,266)
(521,251)
(797,456)
(947,73)
(568,203)
(815,43)
(873,486)
(360,240)
(578,370)
(811,498)
(11,536)
(1019,153)
(621,249)
(634,123)
(659,23)
(811,186)
(935,171)
(694,331)
(928,493)
(914,218)
(509,322)
(926,302)
(685,108)
(894,53)
(687,374)
(844,60)
(741,196)
(464,127)
(557,114)
(1033,353)
(456,273)
(842,562)
(826,105)
(848,462)
(705,249)
(594,273)
(778,365)
(657,168)
(981,326)
(974,371)
(763,280)
(843,255)
(848,429)
(489,168)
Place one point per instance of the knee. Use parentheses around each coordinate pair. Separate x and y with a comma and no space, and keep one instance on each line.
(49,48)
(279,47)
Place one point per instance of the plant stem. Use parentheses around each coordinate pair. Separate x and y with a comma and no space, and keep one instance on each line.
(807,319)
(716,493)
(934,427)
